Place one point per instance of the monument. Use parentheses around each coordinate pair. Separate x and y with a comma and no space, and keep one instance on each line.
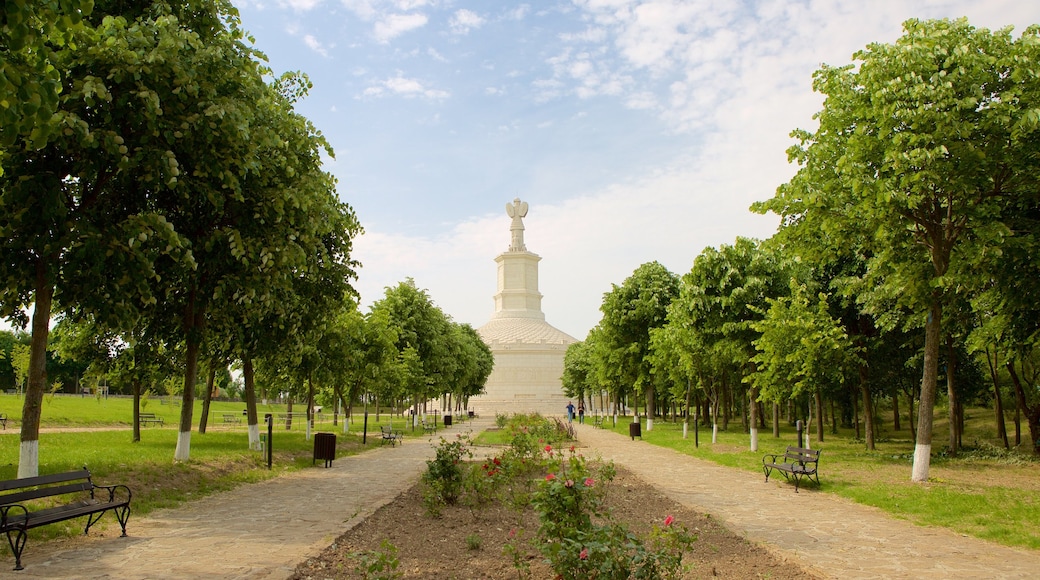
(528,351)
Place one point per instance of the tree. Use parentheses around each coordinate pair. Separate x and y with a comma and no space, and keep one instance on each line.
(802,349)
(921,143)
(630,312)
(720,300)
(425,330)
(32,33)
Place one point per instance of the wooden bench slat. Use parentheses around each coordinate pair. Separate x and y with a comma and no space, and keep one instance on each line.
(44,479)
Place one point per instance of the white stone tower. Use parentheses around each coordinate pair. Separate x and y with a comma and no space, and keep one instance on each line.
(528,351)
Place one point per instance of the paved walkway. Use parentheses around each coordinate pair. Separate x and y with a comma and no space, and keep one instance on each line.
(264,530)
(256,531)
(822,532)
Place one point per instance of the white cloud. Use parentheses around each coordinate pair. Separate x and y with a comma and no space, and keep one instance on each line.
(300,5)
(518,13)
(465,20)
(432,53)
(405,87)
(391,26)
(315,45)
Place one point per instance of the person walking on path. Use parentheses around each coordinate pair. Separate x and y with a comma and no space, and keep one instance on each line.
(570,411)
(581,412)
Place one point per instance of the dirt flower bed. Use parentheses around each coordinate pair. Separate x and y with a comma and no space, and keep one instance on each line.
(468,542)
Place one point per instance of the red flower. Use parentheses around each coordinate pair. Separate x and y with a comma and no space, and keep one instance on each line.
(572,449)
(548,448)
(668,520)
(550,477)
(584,555)
(497,461)
(589,482)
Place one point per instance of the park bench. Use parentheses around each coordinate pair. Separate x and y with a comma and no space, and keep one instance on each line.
(3,420)
(149,419)
(231,418)
(392,435)
(428,425)
(20,511)
(796,463)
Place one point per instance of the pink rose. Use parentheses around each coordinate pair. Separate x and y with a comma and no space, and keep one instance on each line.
(584,555)
(569,483)
(589,482)
(668,521)
(550,477)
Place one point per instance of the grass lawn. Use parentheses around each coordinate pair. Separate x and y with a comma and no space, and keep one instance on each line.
(985,492)
(96,433)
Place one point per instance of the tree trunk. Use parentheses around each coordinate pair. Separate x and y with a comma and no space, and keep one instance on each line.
(207,398)
(923,448)
(913,426)
(310,406)
(193,323)
(135,388)
(819,415)
(868,407)
(834,419)
(855,414)
(252,420)
(725,404)
(651,408)
(951,394)
(1018,425)
(36,384)
(1032,413)
(895,409)
(993,361)
(776,420)
(288,412)
(753,419)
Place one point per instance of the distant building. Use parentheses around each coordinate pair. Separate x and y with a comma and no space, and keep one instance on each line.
(528,351)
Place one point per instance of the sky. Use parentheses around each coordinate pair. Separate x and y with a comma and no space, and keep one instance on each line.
(636,130)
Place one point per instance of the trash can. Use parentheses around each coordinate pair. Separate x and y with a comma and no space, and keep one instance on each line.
(470,413)
(447,420)
(635,430)
(325,447)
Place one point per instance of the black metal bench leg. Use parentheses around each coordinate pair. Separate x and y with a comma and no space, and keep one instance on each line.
(93,519)
(17,545)
(123,515)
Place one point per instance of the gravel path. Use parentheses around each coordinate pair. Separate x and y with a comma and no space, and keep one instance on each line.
(263,530)
(825,533)
(256,531)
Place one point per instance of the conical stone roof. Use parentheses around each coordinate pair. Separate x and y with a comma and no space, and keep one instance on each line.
(504,331)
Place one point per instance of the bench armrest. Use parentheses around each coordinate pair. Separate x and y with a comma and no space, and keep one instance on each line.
(5,515)
(114,490)
(771,457)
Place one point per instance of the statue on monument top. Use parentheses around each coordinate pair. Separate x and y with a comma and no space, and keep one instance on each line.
(517,210)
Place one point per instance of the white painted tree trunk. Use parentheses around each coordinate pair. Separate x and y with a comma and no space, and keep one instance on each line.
(29,459)
(754,438)
(685,429)
(922,458)
(254,437)
(714,432)
(183,451)
(309,424)
(649,424)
